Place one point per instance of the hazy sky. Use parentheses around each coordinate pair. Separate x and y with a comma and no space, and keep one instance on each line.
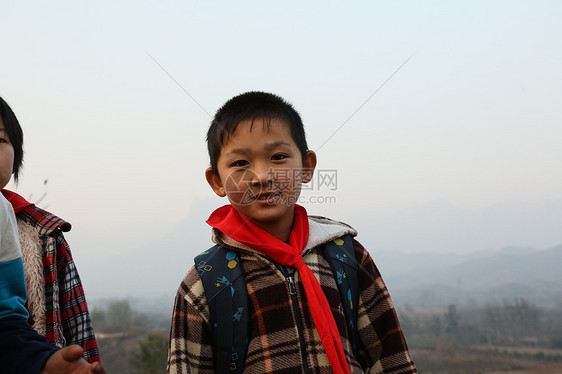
(115,99)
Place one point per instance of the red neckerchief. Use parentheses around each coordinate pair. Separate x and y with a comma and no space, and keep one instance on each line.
(231,223)
(18,202)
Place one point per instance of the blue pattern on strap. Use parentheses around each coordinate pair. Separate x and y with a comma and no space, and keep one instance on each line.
(222,275)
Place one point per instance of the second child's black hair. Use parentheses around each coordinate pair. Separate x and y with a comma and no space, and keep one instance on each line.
(15,133)
(249,106)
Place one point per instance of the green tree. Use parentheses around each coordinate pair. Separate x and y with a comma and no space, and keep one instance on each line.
(98,315)
(152,355)
(119,313)
(511,322)
(524,319)
(452,320)
(435,325)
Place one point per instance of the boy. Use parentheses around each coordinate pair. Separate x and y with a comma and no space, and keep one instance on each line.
(55,298)
(259,160)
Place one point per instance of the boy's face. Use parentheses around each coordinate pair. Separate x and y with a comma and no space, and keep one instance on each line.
(6,156)
(261,170)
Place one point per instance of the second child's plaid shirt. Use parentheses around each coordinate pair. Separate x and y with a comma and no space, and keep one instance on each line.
(67,317)
(275,343)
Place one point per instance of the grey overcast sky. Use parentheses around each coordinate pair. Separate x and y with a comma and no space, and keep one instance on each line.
(115,98)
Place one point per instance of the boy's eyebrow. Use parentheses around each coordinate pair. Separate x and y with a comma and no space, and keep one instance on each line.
(240,151)
(245,151)
(277,144)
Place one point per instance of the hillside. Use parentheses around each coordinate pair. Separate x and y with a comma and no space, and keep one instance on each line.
(436,279)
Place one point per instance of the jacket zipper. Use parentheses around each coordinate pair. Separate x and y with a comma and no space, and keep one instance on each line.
(298,317)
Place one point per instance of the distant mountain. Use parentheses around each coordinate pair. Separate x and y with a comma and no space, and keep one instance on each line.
(399,264)
(489,275)
(431,254)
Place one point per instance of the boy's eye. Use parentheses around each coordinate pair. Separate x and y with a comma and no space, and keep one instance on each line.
(239,163)
(279,156)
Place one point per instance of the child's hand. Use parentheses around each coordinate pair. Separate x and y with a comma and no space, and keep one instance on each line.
(69,361)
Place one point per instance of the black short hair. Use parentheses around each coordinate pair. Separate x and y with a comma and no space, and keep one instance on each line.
(15,133)
(249,106)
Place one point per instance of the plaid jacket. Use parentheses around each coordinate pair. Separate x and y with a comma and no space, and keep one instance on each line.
(67,318)
(282,337)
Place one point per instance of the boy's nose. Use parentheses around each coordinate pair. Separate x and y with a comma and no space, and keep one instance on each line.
(262,175)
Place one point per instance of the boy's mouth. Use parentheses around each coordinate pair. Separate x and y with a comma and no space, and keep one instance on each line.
(268,198)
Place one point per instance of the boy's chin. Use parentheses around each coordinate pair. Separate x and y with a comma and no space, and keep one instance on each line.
(264,213)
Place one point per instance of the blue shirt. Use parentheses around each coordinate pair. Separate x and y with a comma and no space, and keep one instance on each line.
(13,293)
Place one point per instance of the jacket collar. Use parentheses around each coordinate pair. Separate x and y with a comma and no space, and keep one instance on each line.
(45,223)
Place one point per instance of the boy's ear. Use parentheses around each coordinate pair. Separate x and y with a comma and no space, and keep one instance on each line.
(308,165)
(215,182)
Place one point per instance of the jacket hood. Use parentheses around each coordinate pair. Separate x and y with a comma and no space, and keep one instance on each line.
(323,230)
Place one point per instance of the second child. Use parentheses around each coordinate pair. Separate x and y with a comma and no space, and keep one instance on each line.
(296,323)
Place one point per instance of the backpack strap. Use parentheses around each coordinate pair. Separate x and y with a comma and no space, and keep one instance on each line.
(341,256)
(223,278)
